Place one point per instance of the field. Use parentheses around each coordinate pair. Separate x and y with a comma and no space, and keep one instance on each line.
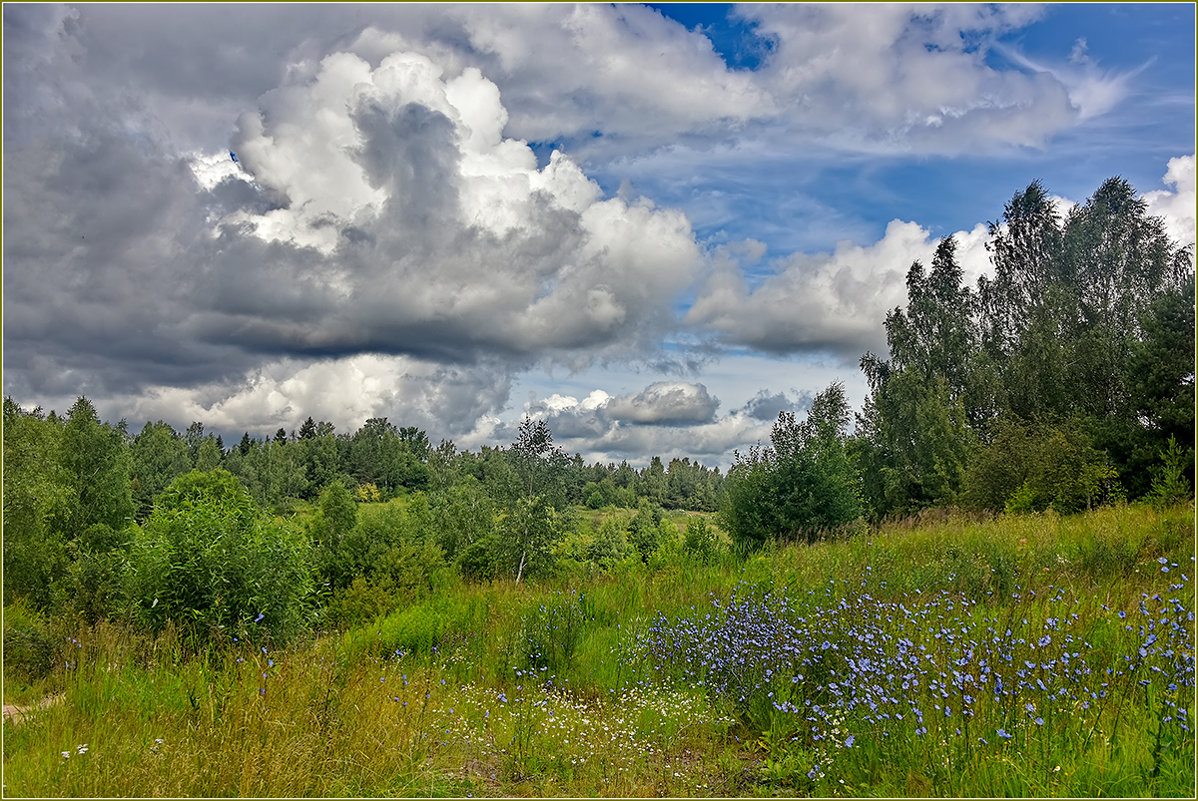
(1031,655)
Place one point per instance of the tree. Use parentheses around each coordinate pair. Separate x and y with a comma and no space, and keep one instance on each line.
(914,433)
(539,463)
(1030,466)
(159,456)
(1162,384)
(463,515)
(98,465)
(378,455)
(210,454)
(321,458)
(528,532)
(37,491)
(336,517)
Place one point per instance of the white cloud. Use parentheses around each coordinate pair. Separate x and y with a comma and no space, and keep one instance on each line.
(1177,205)
(900,77)
(446,401)
(426,218)
(833,303)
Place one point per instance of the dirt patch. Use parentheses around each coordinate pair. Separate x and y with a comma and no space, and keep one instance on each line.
(18,713)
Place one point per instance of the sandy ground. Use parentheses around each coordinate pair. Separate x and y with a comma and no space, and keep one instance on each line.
(18,713)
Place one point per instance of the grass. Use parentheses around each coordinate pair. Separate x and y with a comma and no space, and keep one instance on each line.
(553,690)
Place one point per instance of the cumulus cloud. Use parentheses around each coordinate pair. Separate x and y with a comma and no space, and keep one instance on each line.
(665,418)
(396,240)
(436,231)
(375,212)
(829,303)
(445,400)
(1176,206)
(665,402)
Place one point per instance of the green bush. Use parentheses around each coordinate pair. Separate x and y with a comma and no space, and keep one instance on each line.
(29,649)
(1169,484)
(610,545)
(700,541)
(645,530)
(1029,467)
(803,486)
(98,572)
(209,560)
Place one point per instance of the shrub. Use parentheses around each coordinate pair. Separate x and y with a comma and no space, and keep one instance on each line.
(700,541)
(1029,467)
(98,571)
(210,560)
(29,650)
(1169,485)
(803,485)
(610,546)
(644,532)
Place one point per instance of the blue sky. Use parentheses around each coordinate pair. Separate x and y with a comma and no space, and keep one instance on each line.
(653,226)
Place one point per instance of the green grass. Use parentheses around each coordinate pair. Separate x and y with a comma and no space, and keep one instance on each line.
(463,709)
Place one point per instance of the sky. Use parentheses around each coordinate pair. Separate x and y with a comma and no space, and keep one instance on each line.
(653,226)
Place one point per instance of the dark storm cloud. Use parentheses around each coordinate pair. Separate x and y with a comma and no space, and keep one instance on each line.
(766,406)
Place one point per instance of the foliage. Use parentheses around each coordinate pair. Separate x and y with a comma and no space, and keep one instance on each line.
(645,529)
(1032,466)
(434,698)
(159,456)
(804,485)
(1169,485)
(208,560)
(336,517)
(98,570)
(97,466)
(700,541)
(37,492)
(463,515)
(527,534)
(610,546)
(29,648)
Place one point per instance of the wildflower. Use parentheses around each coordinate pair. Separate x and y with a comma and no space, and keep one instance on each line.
(1003,734)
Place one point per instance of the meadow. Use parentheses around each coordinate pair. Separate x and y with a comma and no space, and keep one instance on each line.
(1025,655)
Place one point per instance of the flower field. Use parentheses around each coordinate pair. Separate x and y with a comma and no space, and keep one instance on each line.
(1024,656)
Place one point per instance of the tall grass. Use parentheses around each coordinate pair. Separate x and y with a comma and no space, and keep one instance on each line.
(553,689)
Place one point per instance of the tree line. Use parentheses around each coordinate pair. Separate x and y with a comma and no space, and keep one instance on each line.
(164,525)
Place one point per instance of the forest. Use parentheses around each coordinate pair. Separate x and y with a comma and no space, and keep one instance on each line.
(1059,388)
